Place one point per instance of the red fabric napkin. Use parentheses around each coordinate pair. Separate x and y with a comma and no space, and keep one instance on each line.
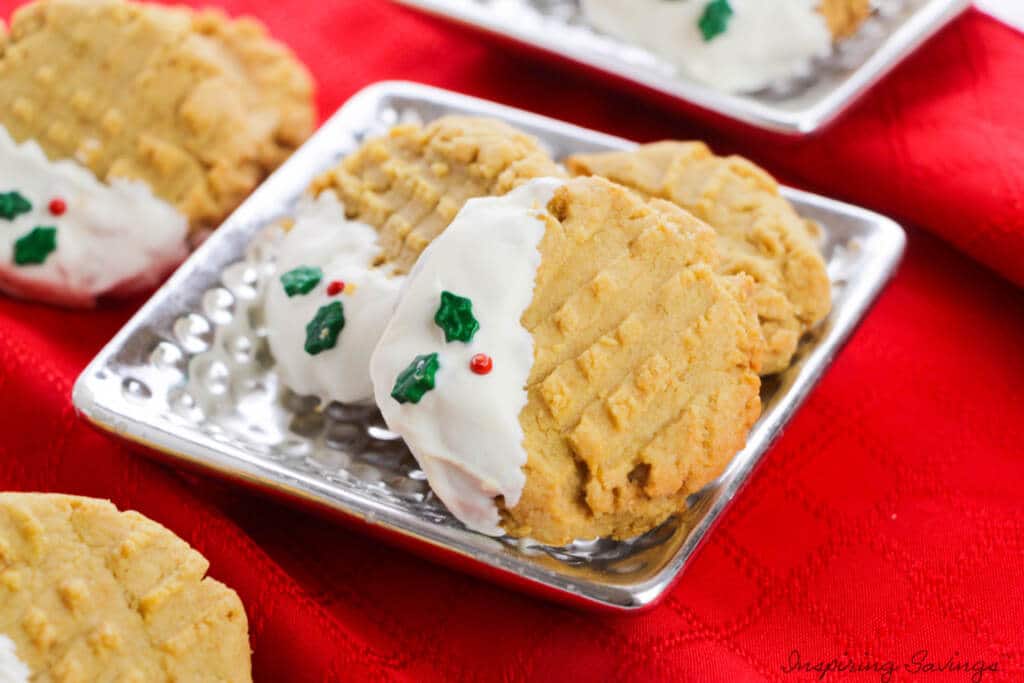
(886,522)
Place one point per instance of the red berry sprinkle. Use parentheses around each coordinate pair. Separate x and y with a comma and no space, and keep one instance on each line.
(335,288)
(481,364)
(58,206)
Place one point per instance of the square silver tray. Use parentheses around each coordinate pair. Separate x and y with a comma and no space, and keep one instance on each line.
(798,107)
(191,380)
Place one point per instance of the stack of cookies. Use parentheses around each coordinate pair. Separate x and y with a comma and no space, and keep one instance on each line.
(569,351)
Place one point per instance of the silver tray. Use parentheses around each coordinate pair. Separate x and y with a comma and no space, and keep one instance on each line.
(796,107)
(191,379)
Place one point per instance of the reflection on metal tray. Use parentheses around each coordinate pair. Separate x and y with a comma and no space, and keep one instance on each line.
(799,106)
(190,377)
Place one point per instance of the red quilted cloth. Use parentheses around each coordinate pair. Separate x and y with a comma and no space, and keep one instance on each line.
(886,521)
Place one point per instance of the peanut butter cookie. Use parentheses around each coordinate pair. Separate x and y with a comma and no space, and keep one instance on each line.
(199,107)
(759,232)
(88,593)
(568,361)
(397,193)
(410,183)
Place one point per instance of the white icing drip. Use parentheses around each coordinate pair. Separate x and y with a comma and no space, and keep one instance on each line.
(12,669)
(465,433)
(113,239)
(344,250)
(764,42)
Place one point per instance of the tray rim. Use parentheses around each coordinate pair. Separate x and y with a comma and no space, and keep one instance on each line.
(260,474)
(925,23)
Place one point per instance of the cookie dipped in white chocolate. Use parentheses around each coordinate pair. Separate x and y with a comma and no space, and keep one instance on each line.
(338,254)
(744,45)
(68,238)
(12,669)
(450,371)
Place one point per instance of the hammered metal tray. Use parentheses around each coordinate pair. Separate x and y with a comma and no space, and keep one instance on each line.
(190,378)
(799,106)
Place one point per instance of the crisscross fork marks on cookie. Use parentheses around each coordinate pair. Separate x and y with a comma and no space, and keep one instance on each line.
(759,233)
(411,183)
(644,382)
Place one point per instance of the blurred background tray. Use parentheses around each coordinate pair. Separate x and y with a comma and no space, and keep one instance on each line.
(798,107)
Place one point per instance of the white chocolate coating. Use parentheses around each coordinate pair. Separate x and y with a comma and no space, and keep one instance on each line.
(114,238)
(12,669)
(344,250)
(465,433)
(764,42)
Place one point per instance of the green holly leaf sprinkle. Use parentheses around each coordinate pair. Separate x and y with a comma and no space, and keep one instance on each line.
(455,317)
(715,19)
(12,204)
(33,247)
(417,379)
(323,330)
(301,280)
